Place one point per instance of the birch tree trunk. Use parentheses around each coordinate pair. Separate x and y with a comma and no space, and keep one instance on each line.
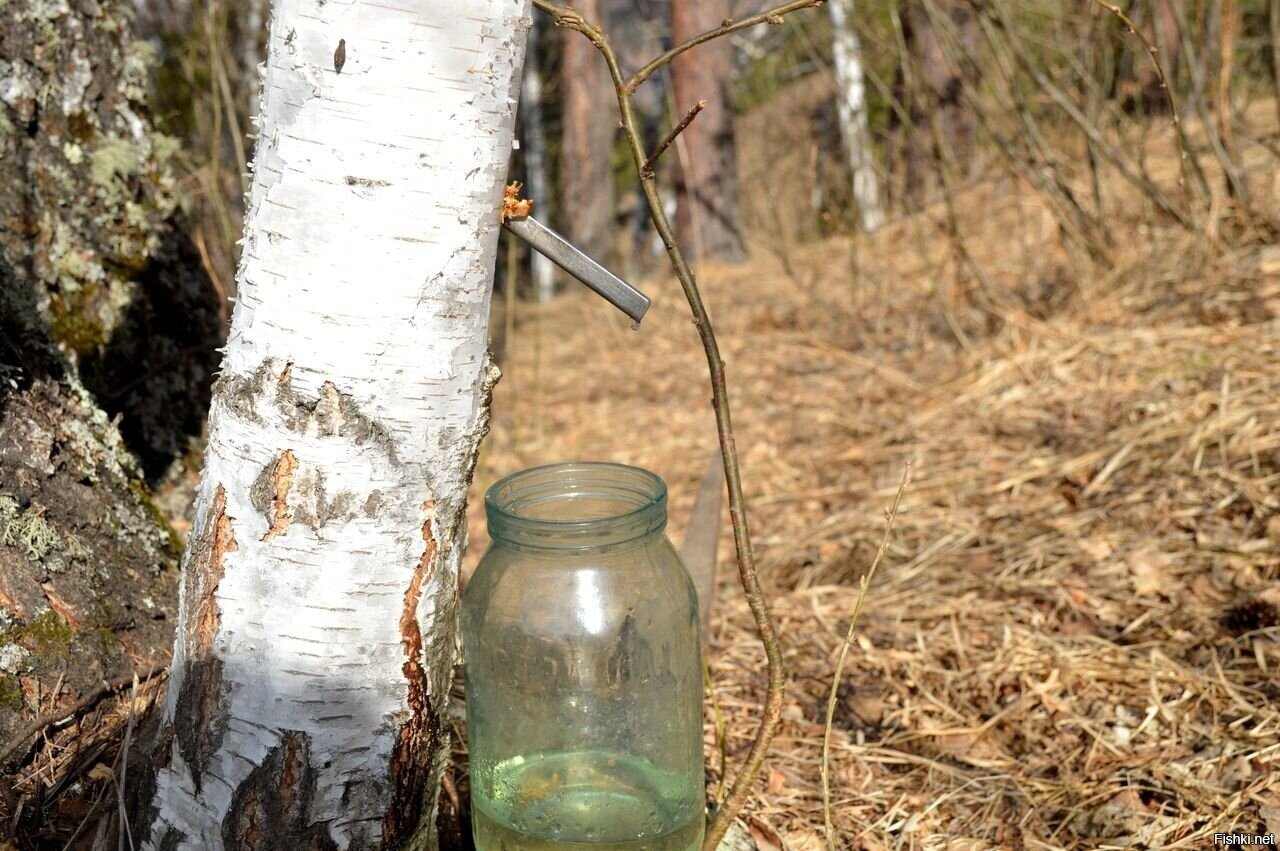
(316,634)
(851,106)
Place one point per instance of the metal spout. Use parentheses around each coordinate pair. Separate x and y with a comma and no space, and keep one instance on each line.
(560,251)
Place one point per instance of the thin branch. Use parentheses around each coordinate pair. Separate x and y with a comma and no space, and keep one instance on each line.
(671,137)
(1188,166)
(51,718)
(772,16)
(772,712)
(844,652)
(1114,155)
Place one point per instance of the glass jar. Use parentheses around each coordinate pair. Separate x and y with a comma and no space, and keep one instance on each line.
(583,671)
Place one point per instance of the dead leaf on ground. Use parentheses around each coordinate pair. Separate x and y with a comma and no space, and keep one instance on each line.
(1148,574)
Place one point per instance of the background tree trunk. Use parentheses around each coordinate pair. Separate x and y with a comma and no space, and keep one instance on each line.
(316,636)
(535,157)
(938,101)
(707,217)
(97,282)
(589,124)
(851,106)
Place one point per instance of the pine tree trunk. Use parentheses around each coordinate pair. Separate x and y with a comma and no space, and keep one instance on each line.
(316,639)
(707,217)
(851,105)
(589,124)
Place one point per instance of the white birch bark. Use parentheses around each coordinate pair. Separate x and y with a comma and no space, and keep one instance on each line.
(851,106)
(316,640)
(535,160)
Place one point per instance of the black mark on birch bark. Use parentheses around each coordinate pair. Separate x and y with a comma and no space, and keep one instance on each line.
(270,390)
(271,808)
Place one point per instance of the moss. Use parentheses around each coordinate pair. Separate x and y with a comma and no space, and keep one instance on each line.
(10,693)
(112,650)
(47,635)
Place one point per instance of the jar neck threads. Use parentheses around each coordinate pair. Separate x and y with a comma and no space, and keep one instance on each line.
(576,506)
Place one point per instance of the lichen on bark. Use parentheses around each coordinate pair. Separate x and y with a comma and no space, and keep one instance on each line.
(92,262)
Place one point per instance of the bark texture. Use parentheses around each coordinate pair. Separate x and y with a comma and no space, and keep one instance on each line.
(316,633)
(589,125)
(95,280)
(707,219)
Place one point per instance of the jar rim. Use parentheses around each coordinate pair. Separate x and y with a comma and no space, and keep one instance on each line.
(642,496)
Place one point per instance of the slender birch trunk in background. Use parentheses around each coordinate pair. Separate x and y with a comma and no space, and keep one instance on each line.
(316,636)
(851,106)
(535,160)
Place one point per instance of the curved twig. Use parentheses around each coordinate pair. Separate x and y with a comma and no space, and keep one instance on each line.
(772,712)
(1184,159)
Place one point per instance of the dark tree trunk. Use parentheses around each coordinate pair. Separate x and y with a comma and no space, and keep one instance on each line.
(942,126)
(707,218)
(99,297)
(588,121)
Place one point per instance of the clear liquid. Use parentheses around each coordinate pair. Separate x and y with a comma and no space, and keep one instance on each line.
(595,800)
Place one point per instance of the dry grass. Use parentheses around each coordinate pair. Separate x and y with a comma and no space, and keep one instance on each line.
(1073,640)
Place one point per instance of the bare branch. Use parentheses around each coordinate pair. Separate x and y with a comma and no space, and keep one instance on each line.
(1179,131)
(105,690)
(671,137)
(772,16)
(772,711)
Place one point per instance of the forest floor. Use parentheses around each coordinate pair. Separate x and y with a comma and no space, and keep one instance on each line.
(1073,639)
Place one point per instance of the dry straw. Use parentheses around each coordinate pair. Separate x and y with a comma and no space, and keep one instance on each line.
(1071,643)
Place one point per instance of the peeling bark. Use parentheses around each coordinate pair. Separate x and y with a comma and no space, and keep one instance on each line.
(201,696)
(281,480)
(419,736)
